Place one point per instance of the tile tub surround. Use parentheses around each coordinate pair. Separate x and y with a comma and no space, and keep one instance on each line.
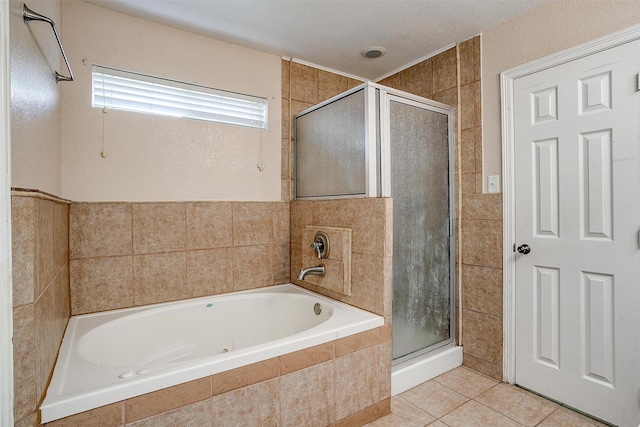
(370,221)
(126,254)
(337,262)
(131,254)
(325,385)
(41,301)
(173,343)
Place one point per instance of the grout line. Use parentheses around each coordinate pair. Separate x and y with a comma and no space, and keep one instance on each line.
(417,407)
(458,147)
(498,412)
(548,416)
(290,172)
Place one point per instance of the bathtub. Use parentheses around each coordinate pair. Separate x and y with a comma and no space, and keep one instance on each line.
(111,356)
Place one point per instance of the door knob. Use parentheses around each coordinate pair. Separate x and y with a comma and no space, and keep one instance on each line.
(524,249)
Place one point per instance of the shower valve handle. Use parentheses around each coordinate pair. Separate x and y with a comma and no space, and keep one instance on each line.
(318,246)
(321,245)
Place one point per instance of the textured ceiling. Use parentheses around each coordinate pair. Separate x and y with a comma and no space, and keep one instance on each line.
(332,33)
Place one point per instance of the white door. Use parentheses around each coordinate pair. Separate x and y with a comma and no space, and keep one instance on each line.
(577,196)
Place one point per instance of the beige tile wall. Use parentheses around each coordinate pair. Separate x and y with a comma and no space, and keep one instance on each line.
(369,219)
(41,301)
(479,215)
(481,226)
(337,261)
(333,384)
(371,222)
(302,88)
(130,254)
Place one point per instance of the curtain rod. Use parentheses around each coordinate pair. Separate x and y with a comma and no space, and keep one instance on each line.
(30,15)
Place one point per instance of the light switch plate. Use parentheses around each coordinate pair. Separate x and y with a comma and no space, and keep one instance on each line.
(493,184)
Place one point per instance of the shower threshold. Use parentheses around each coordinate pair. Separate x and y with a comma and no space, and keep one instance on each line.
(420,369)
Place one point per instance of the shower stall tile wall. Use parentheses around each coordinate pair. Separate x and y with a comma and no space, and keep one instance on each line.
(131,254)
(479,217)
(40,295)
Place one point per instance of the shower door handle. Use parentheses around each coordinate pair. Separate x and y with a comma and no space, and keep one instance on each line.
(524,249)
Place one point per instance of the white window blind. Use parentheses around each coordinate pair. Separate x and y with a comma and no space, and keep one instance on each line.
(124,90)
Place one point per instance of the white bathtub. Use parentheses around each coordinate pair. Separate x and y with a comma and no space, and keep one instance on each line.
(111,356)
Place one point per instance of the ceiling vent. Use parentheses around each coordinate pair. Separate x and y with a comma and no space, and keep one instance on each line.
(373,52)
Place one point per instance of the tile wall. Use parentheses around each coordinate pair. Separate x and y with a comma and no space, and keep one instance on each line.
(333,384)
(336,260)
(371,224)
(302,88)
(449,77)
(41,307)
(370,220)
(130,254)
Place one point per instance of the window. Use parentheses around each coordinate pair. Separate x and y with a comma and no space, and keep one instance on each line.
(125,90)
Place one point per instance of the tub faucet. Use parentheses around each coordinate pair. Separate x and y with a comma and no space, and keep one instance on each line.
(314,271)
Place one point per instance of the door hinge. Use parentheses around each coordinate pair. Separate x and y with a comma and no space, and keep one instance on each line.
(638,82)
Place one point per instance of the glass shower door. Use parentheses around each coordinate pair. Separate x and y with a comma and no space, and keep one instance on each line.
(418,179)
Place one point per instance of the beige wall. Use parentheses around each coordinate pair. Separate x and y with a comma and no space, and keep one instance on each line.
(549,29)
(35,99)
(152,158)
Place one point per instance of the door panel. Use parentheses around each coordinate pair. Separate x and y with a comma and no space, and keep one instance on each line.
(577,196)
(545,168)
(598,333)
(596,185)
(546,326)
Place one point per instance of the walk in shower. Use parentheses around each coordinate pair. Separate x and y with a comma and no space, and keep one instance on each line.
(374,141)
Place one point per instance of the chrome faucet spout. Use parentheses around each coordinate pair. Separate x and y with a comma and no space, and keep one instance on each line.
(314,271)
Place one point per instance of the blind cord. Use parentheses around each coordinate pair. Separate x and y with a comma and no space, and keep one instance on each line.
(260,153)
(103,153)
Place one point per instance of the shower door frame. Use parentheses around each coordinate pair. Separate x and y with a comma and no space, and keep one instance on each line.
(387,96)
(371,157)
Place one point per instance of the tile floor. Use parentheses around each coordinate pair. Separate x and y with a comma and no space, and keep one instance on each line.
(465,398)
